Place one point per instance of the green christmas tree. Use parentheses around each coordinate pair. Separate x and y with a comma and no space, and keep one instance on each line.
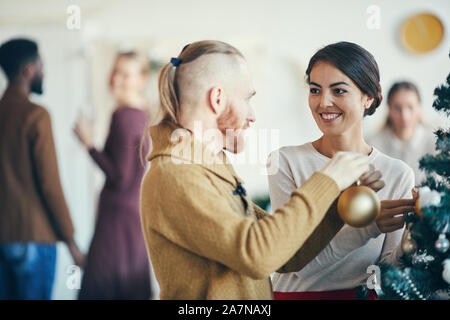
(425,267)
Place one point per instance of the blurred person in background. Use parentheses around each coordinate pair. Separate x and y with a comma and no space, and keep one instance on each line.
(404,136)
(117,263)
(33,212)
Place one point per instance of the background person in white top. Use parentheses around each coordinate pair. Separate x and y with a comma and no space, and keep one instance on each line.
(344,87)
(403,136)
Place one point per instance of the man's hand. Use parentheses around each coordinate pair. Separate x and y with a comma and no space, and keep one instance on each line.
(345,168)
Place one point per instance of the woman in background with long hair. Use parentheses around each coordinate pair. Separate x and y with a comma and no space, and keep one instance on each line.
(404,136)
(117,263)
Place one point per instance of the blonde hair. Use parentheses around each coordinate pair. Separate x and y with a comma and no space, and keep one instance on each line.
(140,58)
(168,76)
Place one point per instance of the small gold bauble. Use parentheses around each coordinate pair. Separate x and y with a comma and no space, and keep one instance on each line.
(359,206)
(409,245)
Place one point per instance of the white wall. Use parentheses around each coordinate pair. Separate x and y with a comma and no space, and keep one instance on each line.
(278,38)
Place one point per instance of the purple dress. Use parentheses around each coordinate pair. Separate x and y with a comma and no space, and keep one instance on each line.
(117,262)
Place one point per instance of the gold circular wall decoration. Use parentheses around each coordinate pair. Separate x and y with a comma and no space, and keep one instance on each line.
(422,32)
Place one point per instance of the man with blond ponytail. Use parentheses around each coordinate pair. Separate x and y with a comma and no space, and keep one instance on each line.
(205,237)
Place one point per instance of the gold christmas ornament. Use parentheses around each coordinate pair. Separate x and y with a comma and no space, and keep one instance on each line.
(409,245)
(358,206)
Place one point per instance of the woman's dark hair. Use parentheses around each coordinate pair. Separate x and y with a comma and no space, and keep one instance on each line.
(356,63)
(401,85)
(15,54)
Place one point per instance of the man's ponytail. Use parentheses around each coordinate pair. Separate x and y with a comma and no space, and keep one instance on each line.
(168,94)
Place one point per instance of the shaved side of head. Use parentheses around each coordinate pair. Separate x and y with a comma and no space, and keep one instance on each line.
(208,85)
(198,77)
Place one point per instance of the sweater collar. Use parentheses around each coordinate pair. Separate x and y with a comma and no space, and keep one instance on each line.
(171,140)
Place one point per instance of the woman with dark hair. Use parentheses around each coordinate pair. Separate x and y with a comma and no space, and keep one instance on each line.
(404,137)
(344,87)
(117,263)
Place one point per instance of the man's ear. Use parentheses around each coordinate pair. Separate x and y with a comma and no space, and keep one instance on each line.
(28,70)
(217,100)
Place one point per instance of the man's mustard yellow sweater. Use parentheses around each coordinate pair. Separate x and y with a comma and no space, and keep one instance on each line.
(207,241)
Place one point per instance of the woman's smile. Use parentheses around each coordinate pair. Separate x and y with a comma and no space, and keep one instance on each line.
(329,117)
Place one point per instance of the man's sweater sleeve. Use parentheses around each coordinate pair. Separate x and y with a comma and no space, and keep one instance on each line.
(198,217)
(45,165)
(281,186)
(316,242)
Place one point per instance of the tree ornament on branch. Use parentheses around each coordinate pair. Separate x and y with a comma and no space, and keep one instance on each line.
(425,198)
